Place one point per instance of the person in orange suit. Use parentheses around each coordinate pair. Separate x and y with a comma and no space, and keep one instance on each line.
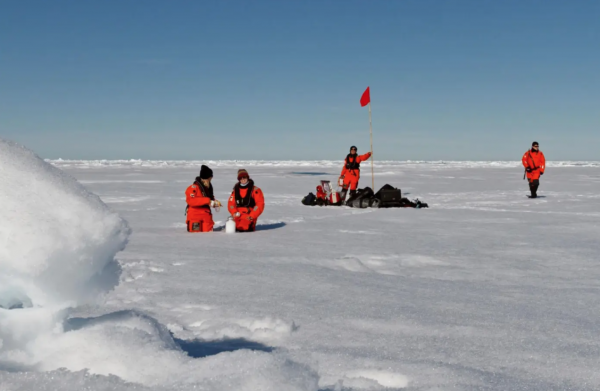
(534,162)
(200,198)
(246,203)
(351,171)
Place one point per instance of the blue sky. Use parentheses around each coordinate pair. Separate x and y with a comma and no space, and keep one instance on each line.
(452,80)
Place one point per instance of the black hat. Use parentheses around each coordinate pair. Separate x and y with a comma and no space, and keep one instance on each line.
(353,147)
(535,143)
(205,172)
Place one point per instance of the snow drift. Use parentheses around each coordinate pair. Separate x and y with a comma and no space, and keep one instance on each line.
(58,241)
(57,246)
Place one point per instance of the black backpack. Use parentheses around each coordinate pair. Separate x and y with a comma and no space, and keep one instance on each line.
(310,200)
(362,199)
(374,203)
(360,203)
(389,197)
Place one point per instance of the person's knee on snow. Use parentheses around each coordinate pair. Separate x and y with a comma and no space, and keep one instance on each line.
(199,197)
(246,203)
(201,225)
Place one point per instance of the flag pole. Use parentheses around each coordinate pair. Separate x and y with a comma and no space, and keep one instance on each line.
(372,164)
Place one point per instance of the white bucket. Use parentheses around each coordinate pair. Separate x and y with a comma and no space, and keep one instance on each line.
(230,226)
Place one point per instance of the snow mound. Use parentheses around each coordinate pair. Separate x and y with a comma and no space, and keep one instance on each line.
(57,246)
(137,348)
(58,241)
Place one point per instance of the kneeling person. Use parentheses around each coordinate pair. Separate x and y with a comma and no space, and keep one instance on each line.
(246,203)
(200,198)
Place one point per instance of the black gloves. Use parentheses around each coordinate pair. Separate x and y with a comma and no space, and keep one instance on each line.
(528,169)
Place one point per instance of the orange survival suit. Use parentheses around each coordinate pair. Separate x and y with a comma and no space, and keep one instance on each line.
(534,162)
(246,204)
(351,171)
(199,217)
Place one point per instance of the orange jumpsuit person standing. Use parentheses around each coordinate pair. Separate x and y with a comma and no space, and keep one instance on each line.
(246,203)
(351,171)
(200,198)
(535,165)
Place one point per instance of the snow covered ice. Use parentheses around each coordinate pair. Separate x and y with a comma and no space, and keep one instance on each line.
(59,243)
(485,290)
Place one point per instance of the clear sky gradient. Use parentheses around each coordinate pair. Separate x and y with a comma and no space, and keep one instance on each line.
(450,80)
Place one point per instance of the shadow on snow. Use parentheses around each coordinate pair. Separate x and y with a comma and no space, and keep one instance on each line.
(194,348)
(200,348)
(259,227)
(266,227)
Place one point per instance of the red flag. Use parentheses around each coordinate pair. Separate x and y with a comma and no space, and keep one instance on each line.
(365,99)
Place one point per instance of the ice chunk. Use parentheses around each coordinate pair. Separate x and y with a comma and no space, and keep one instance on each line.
(57,246)
(57,240)
(13,298)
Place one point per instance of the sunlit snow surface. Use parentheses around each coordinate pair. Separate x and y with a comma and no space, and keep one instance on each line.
(485,290)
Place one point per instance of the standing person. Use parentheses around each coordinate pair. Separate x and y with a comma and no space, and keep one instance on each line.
(200,198)
(535,165)
(246,203)
(351,171)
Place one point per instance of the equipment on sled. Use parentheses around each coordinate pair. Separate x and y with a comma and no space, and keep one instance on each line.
(333,196)
(387,197)
(325,196)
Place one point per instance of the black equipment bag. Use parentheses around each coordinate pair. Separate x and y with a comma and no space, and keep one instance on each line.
(389,197)
(310,199)
(384,187)
(361,198)
(360,203)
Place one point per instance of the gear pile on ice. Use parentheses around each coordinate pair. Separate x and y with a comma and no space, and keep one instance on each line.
(387,197)
(325,196)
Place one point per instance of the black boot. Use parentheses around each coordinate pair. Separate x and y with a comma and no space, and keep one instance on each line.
(536,184)
(352,193)
(533,186)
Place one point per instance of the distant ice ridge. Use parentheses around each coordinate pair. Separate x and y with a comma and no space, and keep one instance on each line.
(301,163)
